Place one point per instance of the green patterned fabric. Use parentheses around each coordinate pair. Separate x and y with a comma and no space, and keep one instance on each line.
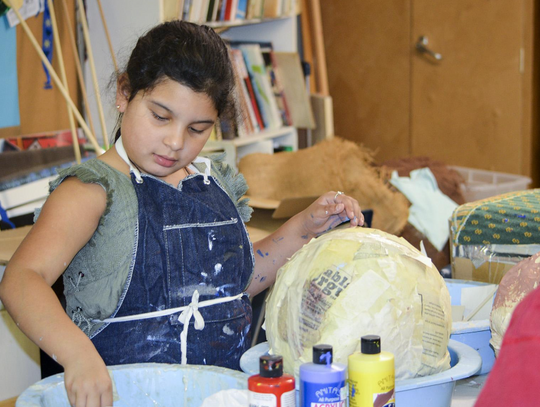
(512,218)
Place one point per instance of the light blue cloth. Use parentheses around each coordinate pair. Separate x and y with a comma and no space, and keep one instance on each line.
(430,209)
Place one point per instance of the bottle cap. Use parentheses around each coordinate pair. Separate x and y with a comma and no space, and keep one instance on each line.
(371,344)
(271,366)
(322,354)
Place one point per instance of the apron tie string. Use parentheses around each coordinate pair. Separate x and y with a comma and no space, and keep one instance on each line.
(192,310)
(122,153)
(207,170)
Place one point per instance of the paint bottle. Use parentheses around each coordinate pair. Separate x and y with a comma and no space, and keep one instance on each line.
(271,388)
(371,375)
(323,383)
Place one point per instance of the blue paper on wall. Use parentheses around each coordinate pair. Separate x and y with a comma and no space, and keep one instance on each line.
(9,91)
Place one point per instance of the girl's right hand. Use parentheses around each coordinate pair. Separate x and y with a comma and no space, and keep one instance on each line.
(88,383)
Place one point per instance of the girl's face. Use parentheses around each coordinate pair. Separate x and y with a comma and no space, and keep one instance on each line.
(165,129)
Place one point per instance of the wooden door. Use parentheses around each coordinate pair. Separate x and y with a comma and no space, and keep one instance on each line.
(473,108)
(368,63)
(467,109)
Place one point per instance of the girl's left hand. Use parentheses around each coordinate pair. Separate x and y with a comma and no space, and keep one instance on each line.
(329,211)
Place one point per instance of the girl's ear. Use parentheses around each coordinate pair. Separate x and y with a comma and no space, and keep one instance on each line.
(122,93)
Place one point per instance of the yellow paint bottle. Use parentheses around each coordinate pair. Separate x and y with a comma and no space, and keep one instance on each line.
(371,375)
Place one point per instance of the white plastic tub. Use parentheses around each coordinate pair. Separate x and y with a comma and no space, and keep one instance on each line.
(148,384)
(428,391)
(481,184)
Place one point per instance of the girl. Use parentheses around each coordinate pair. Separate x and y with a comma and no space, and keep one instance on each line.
(150,238)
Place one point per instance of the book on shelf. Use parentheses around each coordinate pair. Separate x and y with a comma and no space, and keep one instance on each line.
(203,11)
(244,123)
(172,10)
(220,16)
(250,108)
(196,11)
(254,9)
(230,10)
(185,10)
(272,8)
(241,10)
(261,85)
(276,82)
(210,10)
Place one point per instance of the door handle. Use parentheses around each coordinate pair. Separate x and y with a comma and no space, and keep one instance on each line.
(422,47)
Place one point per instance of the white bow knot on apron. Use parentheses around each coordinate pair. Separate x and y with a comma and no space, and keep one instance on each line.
(187,312)
(192,310)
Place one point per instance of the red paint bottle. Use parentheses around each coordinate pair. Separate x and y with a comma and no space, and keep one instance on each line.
(271,388)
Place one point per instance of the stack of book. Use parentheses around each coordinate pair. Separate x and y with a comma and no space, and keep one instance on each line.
(204,11)
(259,93)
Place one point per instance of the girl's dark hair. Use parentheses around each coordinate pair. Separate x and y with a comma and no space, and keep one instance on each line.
(190,54)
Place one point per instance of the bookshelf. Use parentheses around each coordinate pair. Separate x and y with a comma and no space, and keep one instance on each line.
(128,19)
(263,142)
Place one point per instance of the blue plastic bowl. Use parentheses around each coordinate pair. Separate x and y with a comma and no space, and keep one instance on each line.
(145,384)
(428,391)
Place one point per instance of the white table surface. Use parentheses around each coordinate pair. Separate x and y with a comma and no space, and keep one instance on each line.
(467,390)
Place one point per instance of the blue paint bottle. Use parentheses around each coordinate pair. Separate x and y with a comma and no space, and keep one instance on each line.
(323,383)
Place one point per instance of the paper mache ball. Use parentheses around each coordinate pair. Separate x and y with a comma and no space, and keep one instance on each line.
(352,282)
(516,284)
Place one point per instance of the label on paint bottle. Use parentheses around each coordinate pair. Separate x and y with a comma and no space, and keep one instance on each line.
(262,399)
(324,394)
(288,399)
(372,389)
(271,400)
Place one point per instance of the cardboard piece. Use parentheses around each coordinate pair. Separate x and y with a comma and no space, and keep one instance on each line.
(269,214)
(283,209)
(292,79)
(289,207)
(489,272)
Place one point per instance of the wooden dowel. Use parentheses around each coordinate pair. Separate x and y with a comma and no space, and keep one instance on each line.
(307,44)
(90,54)
(56,79)
(318,39)
(58,46)
(107,35)
(78,67)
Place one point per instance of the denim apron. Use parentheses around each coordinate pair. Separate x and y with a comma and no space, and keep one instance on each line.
(184,300)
